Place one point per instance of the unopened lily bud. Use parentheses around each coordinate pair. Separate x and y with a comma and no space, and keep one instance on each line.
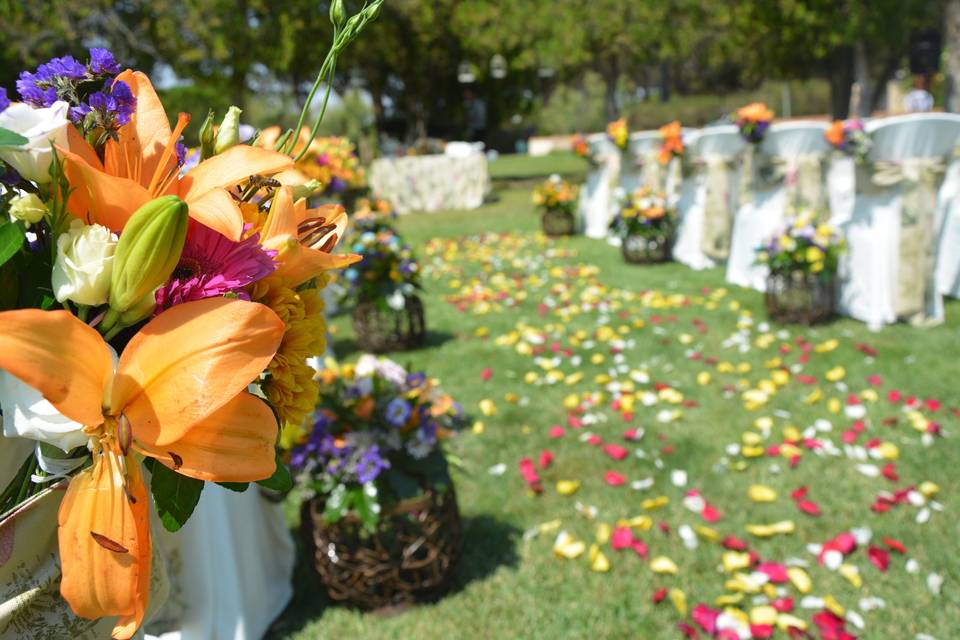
(148,251)
(28,208)
(338,15)
(207,137)
(307,189)
(140,310)
(228,135)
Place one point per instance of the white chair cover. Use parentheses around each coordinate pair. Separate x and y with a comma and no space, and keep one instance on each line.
(596,195)
(873,274)
(763,214)
(841,187)
(718,144)
(948,233)
(641,168)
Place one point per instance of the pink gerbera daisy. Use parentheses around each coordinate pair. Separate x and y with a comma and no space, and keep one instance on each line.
(212,265)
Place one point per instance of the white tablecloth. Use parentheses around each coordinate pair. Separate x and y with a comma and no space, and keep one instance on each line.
(431,183)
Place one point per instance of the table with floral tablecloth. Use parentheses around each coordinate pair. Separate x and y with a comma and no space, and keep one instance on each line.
(431,182)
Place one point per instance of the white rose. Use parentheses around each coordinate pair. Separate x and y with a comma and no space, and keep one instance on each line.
(366,366)
(84,264)
(42,128)
(26,414)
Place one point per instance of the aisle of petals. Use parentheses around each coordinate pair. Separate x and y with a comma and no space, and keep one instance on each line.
(748,533)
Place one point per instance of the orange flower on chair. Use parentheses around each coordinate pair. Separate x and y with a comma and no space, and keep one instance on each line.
(178,395)
(142,165)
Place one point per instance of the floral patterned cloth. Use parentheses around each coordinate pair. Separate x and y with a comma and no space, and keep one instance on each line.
(431,183)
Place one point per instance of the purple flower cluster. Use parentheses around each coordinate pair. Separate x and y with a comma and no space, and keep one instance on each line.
(753,131)
(96,100)
(351,458)
(4,100)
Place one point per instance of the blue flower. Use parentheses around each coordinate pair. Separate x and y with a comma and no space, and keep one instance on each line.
(398,411)
(370,464)
(4,100)
(102,62)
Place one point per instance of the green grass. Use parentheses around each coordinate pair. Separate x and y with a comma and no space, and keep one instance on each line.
(523,167)
(506,587)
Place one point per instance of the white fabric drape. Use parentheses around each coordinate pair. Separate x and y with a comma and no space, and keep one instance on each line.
(712,144)
(596,204)
(948,232)
(763,214)
(431,183)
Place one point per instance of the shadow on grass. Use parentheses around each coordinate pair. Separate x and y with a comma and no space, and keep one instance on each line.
(488,544)
(346,346)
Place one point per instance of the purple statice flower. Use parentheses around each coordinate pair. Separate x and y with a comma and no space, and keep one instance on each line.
(398,411)
(102,62)
(36,91)
(64,68)
(112,108)
(415,380)
(370,464)
(181,150)
(4,100)
(212,265)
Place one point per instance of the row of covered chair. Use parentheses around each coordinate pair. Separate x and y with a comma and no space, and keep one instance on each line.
(899,209)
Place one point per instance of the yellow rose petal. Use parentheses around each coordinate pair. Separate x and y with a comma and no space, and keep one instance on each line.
(761,493)
(679,600)
(663,564)
(567,487)
(598,561)
(800,579)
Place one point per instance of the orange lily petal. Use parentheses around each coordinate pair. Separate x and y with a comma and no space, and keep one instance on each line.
(99,197)
(280,222)
(233,444)
(104,541)
(139,149)
(59,356)
(219,211)
(230,168)
(78,145)
(308,263)
(189,361)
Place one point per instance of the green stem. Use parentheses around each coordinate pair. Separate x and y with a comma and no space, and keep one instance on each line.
(323,110)
(82,312)
(13,489)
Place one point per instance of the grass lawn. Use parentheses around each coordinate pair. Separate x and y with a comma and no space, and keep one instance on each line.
(522,166)
(578,294)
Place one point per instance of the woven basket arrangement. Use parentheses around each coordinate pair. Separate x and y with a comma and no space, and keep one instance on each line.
(379,328)
(800,298)
(558,222)
(640,249)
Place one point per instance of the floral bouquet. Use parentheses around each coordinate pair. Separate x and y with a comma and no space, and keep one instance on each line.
(849,137)
(671,145)
(804,247)
(388,272)
(329,165)
(753,121)
(582,148)
(373,214)
(150,317)
(555,194)
(375,439)
(619,133)
(645,213)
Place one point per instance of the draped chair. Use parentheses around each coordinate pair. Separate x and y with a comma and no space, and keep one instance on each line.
(785,172)
(596,203)
(642,167)
(948,232)
(889,271)
(707,196)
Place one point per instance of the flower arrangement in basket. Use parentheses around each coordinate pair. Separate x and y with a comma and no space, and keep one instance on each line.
(380,515)
(803,261)
(619,133)
(849,137)
(388,313)
(753,121)
(671,142)
(556,199)
(373,214)
(645,226)
(151,317)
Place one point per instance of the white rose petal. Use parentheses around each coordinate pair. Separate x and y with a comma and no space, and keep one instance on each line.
(28,415)
(42,128)
(84,264)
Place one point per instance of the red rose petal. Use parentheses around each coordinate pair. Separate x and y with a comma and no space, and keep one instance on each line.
(615,451)
(614,479)
(879,557)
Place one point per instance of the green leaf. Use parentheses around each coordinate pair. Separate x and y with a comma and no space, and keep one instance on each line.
(402,484)
(175,495)
(239,487)
(11,139)
(281,480)
(11,239)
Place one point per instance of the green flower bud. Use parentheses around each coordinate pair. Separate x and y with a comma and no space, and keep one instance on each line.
(140,310)
(28,208)
(228,135)
(148,251)
(307,189)
(207,137)
(338,15)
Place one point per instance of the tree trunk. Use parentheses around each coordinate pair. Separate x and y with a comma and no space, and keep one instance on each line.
(611,105)
(952,41)
(861,76)
(841,77)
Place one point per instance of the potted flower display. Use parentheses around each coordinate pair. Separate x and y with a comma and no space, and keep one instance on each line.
(753,121)
(803,261)
(646,227)
(379,515)
(671,142)
(850,138)
(388,313)
(556,199)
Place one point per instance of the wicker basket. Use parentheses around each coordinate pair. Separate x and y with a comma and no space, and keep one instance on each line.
(379,328)
(640,249)
(800,298)
(558,222)
(409,558)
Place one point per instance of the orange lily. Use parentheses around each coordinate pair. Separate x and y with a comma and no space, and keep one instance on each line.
(178,394)
(834,133)
(141,165)
(304,238)
(672,141)
(755,112)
